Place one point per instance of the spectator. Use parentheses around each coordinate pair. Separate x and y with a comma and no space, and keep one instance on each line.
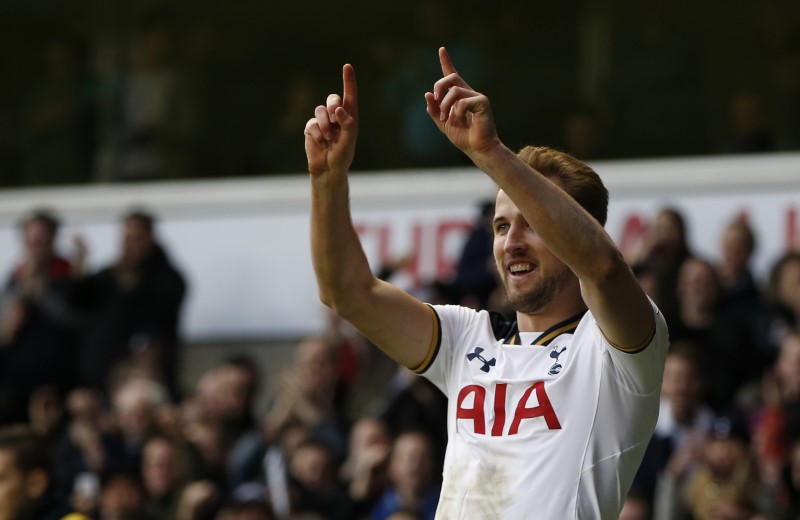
(740,292)
(725,340)
(137,404)
(776,423)
(667,248)
(724,482)
(162,476)
(364,471)
(26,491)
(36,340)
(476,276)
(122,497)
(134,308)
(413,484)
(200,500)
(89,444)
(683,421)
(226,396)
(311,393)
(784,300)
(414,403)
(314,484)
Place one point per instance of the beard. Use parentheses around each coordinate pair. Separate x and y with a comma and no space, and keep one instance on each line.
(536,298)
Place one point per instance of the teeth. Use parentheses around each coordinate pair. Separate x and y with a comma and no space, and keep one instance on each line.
(518,268)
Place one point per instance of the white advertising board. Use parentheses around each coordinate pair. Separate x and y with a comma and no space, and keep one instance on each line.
(244,244)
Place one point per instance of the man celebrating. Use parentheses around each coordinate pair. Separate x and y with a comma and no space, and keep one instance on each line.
(549,415)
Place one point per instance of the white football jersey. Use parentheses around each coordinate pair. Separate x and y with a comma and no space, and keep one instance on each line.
(549,425)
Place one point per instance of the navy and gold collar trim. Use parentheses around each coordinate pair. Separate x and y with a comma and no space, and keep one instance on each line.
(567,326)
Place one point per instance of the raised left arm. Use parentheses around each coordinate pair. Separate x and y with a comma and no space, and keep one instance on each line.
(609,288)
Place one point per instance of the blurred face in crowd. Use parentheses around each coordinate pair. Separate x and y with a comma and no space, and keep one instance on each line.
(137,241)
(45,409)
(697,285)
(736,248)
(788,285)
(253,511)
(224,392)
(668,229)
(532,275)
(410,465)
(367,433)
(682,386)
(18,491)
(159,467)
(312,466)
(724,455)
(316,367)
(120,496)
(38,239)
(787,366)
(135,410)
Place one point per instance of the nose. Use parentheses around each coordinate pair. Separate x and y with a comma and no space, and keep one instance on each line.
(515,238)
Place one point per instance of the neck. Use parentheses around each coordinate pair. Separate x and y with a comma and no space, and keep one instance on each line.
(555,312)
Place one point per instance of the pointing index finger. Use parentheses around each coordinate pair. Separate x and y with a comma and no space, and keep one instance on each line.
(446,62)
(350,98)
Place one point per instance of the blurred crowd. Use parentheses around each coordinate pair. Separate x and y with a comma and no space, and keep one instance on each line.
(94,422)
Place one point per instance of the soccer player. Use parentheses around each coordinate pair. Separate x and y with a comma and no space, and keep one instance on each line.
(549,415)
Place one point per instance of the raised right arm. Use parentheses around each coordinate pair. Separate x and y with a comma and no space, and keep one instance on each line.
(399,324)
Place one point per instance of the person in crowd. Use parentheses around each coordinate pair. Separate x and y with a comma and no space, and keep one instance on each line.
(783,312)
(163,476)
(776,422)
(90,443)
(226,396)
(683,422)
(475,278)
(36,325)
(310,393)
(364,471)
(414,403)
(133,308)
(26,491)
(665,248)
(314,485)
(724,484)
(739,288)
(122,497)
(726,341)
(136,409)
(412,478)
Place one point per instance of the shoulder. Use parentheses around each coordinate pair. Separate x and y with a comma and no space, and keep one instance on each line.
(466,318)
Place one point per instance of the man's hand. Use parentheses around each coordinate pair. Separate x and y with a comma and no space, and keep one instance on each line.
(461,113)
(330,136)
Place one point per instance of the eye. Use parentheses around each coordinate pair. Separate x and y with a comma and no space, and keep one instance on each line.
(500,228)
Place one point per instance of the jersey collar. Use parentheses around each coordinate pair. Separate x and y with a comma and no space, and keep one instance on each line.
(567,326)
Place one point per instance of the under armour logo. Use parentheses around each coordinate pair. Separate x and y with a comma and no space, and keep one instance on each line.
(477,354)
(556,368)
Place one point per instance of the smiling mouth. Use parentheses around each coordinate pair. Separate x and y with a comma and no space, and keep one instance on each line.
(521,268)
